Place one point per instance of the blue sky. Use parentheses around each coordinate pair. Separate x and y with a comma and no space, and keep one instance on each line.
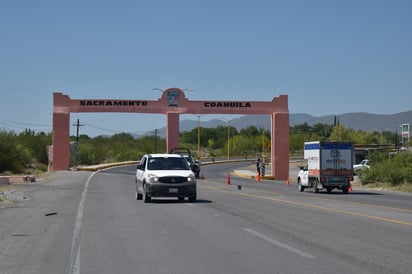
(329,57)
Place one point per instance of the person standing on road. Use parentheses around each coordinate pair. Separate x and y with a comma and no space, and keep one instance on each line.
(258,166)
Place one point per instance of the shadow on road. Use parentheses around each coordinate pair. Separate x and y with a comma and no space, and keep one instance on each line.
(175,201)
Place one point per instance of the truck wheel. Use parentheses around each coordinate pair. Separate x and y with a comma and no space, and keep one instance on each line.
(301,188)
(345,190)
(315,186)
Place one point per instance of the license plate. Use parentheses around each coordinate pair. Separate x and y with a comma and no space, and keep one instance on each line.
(173,190)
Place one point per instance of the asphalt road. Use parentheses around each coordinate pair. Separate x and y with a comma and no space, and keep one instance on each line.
(83,222)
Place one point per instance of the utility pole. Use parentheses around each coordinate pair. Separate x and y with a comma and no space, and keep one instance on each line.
(76,146)
(78,125)
(198,137)
(155,141)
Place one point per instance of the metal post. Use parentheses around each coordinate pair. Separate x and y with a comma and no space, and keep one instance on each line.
(228,139)
(198,137)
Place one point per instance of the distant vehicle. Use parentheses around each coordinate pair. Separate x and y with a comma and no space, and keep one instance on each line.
(194,165)
(165,175)
(362,165)
(329,166)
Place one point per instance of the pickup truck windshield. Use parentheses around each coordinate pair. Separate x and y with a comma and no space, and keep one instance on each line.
(172,163)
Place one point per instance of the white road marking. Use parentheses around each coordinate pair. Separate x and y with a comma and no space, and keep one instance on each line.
(74,267)
(277,243)
(190,204)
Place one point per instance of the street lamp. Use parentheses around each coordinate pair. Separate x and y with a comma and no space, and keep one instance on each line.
(263,141)
(228,138)
(198,135)
(401,139)
(155,141)
(396,138)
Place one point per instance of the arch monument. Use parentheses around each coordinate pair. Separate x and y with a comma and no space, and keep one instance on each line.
(172,103)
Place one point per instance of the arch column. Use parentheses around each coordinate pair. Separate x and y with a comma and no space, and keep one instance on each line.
(172,134)
(61,141)
(280,145)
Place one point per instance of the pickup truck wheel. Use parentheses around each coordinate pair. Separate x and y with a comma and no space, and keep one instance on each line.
(301,188)
(139,196)
(315,186)
(192,198)
(146,198)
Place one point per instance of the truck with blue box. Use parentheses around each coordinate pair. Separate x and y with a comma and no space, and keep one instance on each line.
(329,166)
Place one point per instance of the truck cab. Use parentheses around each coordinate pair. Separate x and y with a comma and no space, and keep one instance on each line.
(303,178)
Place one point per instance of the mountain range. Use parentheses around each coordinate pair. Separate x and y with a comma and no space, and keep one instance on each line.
(356,120)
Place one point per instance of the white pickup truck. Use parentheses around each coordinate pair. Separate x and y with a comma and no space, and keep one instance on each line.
(362,165)
(164,175)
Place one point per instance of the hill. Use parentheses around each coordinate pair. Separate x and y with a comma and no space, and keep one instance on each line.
(356,120)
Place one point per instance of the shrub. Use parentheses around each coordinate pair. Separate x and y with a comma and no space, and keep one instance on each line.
(394,170)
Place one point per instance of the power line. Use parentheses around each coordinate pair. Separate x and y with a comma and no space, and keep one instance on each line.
(22,123)
(10,124)
(14,125)
(110,130)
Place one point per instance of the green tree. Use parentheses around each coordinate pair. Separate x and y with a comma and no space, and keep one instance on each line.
(36,144)
(13,156)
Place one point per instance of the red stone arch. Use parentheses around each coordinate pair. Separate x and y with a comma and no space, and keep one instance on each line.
(172,103)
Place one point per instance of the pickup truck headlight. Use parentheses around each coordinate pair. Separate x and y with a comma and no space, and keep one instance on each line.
(191,178)
(153,178)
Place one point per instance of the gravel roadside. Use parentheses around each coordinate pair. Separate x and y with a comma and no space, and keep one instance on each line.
(12,194)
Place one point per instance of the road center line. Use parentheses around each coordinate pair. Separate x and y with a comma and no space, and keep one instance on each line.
(277,243)
(367,216)
(74,267)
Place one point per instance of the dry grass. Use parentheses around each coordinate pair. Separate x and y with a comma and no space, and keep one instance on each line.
(389,187)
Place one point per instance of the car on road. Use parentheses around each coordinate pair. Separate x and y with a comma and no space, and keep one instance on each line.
(165,175)
(365,163)
(185,152)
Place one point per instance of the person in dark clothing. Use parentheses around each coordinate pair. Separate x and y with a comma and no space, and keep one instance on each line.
(258,166)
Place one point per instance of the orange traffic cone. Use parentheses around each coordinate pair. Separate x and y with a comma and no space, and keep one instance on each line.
(228,179)
(258,178)
(288,182)
(350,187)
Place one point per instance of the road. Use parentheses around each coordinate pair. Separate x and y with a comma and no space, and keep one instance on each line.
(83,222)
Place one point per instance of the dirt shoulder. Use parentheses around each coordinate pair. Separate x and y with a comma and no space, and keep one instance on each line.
(12,194)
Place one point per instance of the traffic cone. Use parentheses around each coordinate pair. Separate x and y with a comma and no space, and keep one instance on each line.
(228,179)
(202,177)
(350,187)
(258,178)
(288,182)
